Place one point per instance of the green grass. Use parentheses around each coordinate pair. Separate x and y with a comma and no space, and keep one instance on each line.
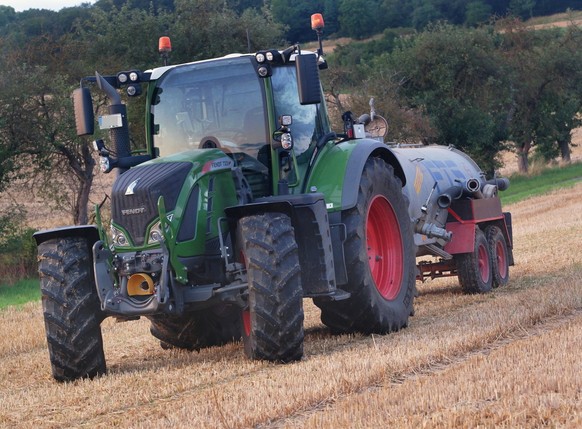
(20,293)
(523,187)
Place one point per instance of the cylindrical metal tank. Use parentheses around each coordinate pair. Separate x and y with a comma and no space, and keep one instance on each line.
(435,175)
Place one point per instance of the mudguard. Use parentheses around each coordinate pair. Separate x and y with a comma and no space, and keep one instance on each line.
(89,232)
(337,171)
(310,221)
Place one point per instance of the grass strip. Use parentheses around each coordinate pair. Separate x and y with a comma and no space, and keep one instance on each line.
(19,293)
(547,180)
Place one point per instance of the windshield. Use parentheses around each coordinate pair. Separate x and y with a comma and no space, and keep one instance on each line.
(210,104)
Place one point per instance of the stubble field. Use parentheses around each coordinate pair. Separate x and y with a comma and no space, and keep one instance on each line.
(510,358)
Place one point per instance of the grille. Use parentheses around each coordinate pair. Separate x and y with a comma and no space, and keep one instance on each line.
(144,185)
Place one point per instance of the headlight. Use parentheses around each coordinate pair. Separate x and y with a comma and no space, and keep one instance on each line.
(155,235)
(104,164)
(118,238)
(286,141)
(122,77)
(260,57)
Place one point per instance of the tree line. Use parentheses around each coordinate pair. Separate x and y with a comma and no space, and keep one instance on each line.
(477,87)
(484,90)
(349,18)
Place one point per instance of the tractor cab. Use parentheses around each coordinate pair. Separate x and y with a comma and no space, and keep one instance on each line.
(257,118)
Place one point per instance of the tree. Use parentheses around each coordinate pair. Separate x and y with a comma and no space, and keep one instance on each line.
(522,8)
(396,13)
(7,16)
(37,135)
(424,14)
(546,91)
(455,76)
(477,13)
(206,28)
(120,39)
(358,18)
(296,17)
(331,15)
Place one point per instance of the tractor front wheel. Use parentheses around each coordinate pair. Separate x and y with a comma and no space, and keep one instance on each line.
(71,307)
(273,320)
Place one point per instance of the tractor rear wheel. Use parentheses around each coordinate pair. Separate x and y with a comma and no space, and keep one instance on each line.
(206,328)
(499,255)
(71,308)
(380,258)
(474,269)
(273,321)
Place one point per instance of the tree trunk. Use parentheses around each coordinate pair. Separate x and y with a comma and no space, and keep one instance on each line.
(85,183)
(565,150)
(522,157)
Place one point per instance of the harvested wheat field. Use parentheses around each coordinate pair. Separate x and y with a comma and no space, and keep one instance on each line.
(507,359)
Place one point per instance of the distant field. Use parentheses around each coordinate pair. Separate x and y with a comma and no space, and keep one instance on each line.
(509,359)
(557,20)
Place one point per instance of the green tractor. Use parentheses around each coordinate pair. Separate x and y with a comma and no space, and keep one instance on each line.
(244,203)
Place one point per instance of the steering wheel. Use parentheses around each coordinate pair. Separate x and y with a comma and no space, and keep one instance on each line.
(210,142)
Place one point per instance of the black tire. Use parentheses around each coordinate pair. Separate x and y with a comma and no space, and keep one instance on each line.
(380,258)
(474,269)
(205,328)
(71,307)
(499,255)
(273,321)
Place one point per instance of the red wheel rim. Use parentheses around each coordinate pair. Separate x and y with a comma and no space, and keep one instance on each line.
(385,249)
(483,260)
(501,259)
(246,314)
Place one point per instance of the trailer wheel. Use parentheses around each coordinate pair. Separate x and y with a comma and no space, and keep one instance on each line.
(380,258)
(206,328)
(273,322)
(71,308)
(474,269)
(499,255)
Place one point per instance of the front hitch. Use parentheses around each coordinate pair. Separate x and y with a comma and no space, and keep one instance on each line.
(113,294)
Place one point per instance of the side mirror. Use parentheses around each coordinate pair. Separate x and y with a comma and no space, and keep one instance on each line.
(84,117)
(308,83)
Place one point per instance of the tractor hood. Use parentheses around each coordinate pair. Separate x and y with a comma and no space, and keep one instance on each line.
(135,193)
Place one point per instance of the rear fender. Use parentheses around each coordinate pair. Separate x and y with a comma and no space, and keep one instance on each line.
(338,170)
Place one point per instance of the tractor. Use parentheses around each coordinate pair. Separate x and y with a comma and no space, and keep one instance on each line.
(244,202)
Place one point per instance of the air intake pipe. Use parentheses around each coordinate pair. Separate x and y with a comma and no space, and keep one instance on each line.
(120,135)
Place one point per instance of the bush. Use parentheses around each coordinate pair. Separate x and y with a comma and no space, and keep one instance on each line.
(17,250)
